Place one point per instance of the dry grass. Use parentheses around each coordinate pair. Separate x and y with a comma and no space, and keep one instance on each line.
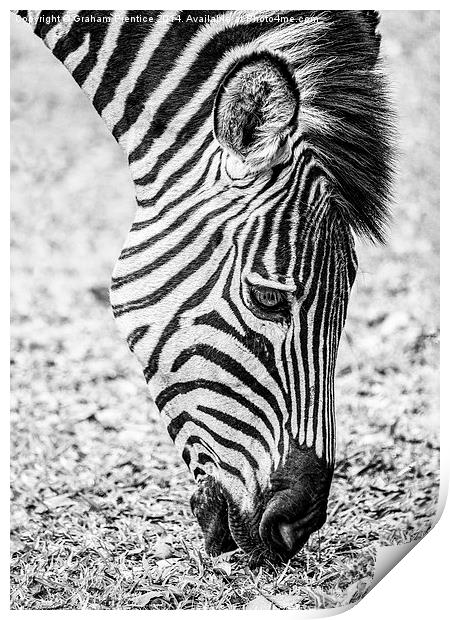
(100,515)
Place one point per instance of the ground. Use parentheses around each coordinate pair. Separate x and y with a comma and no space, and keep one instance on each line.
(100,500)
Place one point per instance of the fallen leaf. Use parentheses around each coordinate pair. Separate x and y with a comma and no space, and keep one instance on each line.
(58,501)
(143,599)
(223,568)
(48,583)
(109,418)
(163,551)
(355,591)
(134,551)
(260,602)
(167,563)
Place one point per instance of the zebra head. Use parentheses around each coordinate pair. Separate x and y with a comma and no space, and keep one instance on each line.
(233,288)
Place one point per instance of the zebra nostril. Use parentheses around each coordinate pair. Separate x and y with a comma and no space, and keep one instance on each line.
(286,538)
(274,533)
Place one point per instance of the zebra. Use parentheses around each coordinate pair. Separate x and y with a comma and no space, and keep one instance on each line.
(260,144)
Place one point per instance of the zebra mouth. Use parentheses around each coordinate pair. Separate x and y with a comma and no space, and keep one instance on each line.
(210,507)
(222,525)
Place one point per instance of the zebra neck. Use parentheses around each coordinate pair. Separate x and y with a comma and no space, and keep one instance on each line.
(140,69)
(153,76)
(103,52)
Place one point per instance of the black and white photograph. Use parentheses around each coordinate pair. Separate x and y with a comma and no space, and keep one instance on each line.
(224,305)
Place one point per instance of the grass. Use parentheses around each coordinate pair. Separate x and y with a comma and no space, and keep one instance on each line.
(99,511)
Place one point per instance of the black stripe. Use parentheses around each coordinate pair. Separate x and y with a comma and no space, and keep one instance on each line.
(176,424)
(189,193)
(214,242)
(254,342)
(216,388)
(235,423)
(283,252)
(53,17)
(323,310)
(162,61)
(197,297)
(136,335)
(128,45)
(97,34)
(151,176)
(231,366)
(156,296)
(191,236)
(77,33)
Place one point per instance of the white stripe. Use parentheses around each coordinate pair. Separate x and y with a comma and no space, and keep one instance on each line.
(61,29)
(113,112)
(33,17)
(105,52)
(303,363)
(144,192)
(77,56)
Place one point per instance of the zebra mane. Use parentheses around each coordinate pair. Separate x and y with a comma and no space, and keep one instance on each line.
(345,113)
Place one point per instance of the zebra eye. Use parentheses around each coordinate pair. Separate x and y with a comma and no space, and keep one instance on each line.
(269,299)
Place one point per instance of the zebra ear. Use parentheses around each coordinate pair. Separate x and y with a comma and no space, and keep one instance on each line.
(254,112)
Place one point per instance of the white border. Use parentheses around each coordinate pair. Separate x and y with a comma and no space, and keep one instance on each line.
(415,588)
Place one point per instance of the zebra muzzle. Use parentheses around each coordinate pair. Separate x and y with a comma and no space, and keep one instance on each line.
(283,518)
